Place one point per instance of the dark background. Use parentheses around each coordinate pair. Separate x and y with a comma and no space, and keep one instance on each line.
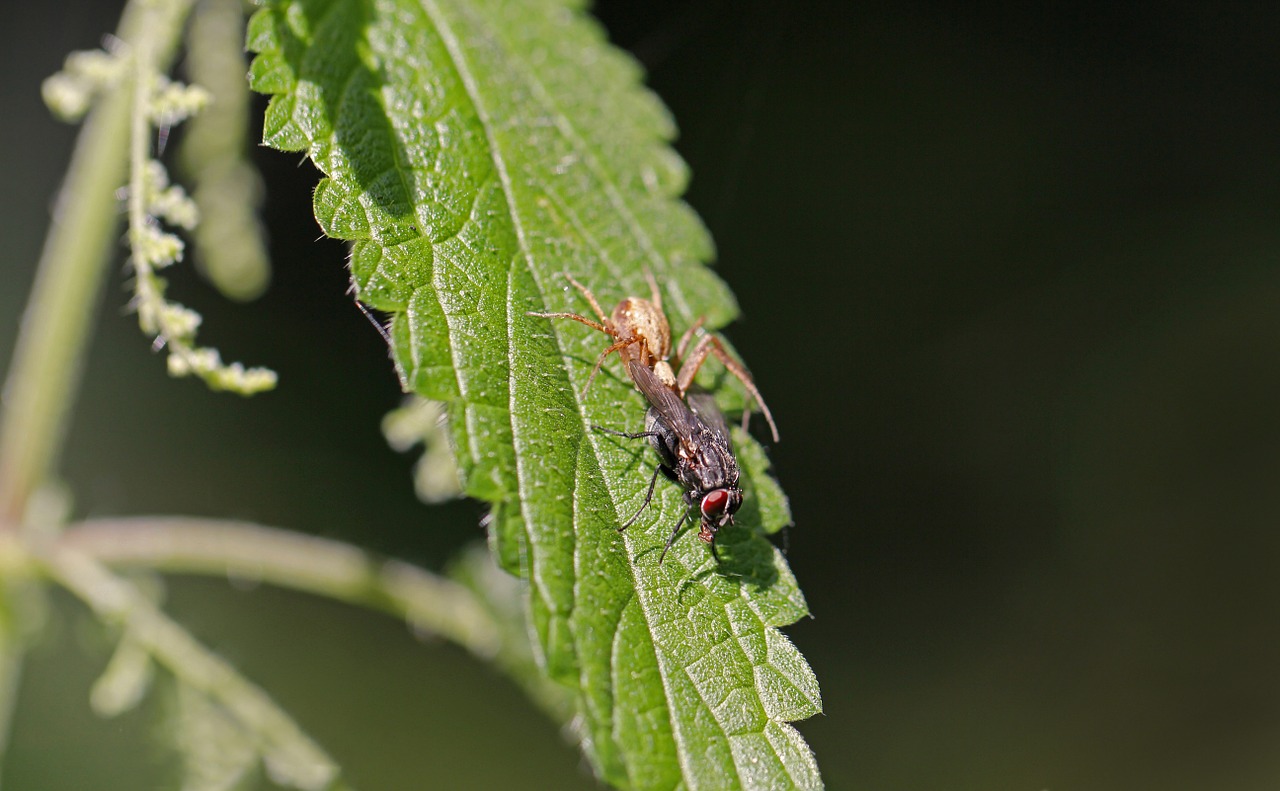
(1009,280)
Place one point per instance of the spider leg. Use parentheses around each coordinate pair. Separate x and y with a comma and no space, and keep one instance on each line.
(710,344)
(574,316)
(586,292)
(688,336)
(655,296)
(622,344)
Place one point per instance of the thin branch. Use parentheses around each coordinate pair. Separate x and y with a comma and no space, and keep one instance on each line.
(46,365)
(11,651)
(288,752)
(292,560)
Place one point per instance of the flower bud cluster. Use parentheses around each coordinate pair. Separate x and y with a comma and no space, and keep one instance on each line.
(153,200)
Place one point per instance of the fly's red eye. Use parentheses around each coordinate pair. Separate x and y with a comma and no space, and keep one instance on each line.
(715,503)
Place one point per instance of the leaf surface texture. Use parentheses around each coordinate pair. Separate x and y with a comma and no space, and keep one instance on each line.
(474,151)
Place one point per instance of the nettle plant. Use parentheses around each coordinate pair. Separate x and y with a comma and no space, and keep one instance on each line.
(473,150)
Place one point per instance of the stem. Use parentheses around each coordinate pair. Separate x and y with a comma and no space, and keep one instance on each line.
(11,651)
(319,566)
(51,344)
(140,151)
(292,560)
(290,755)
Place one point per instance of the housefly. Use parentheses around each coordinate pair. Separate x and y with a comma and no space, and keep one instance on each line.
(691,439)
(684,426)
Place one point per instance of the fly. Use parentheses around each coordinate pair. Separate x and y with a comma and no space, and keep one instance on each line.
(685,428)
(691,439)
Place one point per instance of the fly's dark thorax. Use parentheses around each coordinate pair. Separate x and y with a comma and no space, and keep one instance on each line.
(701,462)
(709,463)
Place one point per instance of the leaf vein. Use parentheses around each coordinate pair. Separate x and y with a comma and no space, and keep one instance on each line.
(608,180)
(469,82)
(454,47)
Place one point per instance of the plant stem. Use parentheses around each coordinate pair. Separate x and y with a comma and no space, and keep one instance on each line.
(11,652)
(290,755)
(52,341)
(292,560)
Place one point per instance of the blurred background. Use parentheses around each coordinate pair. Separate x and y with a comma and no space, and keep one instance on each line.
(1010,279)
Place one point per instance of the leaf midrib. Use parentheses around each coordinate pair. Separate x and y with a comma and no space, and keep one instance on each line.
(615,198)
(452,45)
(450,41)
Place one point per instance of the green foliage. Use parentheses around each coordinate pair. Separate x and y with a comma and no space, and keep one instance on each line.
(474,150)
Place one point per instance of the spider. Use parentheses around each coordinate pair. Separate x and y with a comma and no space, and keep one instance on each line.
(641,333)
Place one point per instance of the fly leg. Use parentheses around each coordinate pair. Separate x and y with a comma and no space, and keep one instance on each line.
(648,497)
(652,481)
(710,344)
(627,434)
(672,539)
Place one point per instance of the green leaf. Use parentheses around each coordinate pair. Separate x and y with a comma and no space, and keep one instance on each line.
(475,149)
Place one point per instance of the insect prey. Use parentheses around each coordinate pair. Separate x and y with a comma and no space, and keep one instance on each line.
(684,427)
(691,439)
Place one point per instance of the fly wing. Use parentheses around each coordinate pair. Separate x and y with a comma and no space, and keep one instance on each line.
(664,400)
(704,406)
